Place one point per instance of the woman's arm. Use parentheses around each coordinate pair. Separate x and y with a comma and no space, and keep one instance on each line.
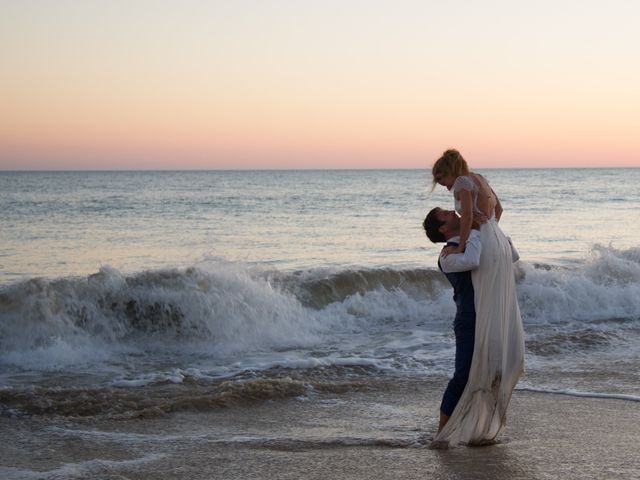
(466,219)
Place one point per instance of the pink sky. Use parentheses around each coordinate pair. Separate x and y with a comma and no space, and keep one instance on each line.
(285,84)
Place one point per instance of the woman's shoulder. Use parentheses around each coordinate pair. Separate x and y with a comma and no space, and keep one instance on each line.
(464,182)
(480,180)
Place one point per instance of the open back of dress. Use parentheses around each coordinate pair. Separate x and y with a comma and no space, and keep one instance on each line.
(498,356)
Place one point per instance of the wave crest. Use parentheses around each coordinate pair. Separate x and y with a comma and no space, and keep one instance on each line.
(223,310)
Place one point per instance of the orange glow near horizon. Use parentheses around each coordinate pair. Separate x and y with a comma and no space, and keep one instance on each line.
(208,86)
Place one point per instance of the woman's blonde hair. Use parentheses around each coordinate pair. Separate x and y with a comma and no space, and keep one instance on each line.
(450,163)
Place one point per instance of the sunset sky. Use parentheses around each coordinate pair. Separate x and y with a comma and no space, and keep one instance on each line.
(318,84)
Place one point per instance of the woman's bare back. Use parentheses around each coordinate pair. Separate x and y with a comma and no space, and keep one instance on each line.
(486,200)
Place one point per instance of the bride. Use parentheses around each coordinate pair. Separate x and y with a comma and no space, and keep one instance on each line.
(498,355)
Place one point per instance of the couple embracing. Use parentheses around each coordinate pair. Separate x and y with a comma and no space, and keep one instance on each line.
(478,261)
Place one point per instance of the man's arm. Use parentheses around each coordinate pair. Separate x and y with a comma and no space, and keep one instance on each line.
(467,260)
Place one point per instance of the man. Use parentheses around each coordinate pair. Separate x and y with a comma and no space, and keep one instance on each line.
(444,226)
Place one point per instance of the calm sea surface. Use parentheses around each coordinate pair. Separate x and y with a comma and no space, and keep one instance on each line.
(136,294)
(72,223)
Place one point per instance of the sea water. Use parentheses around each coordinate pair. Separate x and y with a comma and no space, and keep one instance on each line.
(227,285)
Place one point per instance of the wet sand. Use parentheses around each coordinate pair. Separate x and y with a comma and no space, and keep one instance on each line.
(375,434)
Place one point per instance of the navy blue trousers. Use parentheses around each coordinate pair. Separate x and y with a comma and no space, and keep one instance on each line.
(464,327)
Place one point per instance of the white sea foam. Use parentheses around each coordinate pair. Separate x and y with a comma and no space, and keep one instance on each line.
(127,437)
(413,441)
(576,393)
(606,286)
(212,322)
(214,312)
(175,375)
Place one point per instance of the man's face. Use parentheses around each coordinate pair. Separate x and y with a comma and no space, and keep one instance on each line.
(450,220)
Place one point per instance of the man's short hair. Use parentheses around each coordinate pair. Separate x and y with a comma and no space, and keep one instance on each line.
(432,226)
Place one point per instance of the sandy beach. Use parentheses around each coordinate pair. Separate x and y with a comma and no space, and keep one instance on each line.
(378,433)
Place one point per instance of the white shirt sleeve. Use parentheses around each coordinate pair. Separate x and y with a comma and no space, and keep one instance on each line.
(467,260)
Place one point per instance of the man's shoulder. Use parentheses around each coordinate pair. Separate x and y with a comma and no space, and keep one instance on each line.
(455,240)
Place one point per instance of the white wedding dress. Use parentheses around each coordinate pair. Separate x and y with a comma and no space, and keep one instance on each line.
(498,355)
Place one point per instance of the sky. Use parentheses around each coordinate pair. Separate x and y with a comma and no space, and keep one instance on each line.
(239,84)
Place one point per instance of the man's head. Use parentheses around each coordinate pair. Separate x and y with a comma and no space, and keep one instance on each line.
(440,225)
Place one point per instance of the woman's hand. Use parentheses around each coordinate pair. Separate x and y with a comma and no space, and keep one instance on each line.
(451,250)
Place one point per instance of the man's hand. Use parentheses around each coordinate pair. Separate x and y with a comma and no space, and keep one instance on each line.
(479,219)
(451,250)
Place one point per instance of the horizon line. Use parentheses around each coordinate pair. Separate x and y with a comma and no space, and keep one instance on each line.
(276,169)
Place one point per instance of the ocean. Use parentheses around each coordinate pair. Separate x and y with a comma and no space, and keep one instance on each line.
(142,295)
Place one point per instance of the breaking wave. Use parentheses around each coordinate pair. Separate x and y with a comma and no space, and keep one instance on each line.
(224,309)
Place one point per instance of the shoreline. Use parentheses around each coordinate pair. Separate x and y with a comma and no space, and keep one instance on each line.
(353,436)
(578,394)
